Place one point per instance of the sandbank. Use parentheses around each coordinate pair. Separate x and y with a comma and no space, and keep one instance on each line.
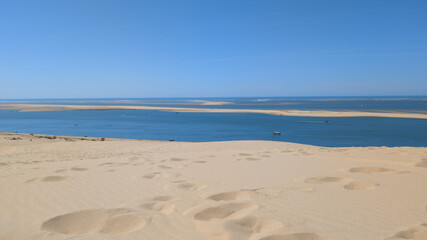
(47,107)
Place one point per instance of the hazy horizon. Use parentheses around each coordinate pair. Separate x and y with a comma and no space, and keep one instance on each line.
(230,97)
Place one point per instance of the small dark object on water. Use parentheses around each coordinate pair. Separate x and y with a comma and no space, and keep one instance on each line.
(325,121)
(276,133)
(171,140)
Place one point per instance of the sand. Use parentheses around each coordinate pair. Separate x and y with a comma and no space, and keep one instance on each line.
(46,107)
(191,102)
(86,188)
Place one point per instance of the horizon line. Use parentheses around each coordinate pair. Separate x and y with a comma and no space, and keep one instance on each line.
(318,96)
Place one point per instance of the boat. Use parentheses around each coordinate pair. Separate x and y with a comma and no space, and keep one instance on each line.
(276,133)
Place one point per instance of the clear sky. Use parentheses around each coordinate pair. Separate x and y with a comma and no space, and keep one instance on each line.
(212,48)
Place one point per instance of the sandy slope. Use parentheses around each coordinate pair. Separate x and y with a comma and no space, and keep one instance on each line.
(127,189)
(46,107)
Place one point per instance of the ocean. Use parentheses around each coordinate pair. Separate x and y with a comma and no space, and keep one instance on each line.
(204,127)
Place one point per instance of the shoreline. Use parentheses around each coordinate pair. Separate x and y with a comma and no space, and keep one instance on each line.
(296,113)
(94,139)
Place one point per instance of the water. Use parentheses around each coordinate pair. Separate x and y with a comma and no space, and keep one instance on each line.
(201,127)
(402,104)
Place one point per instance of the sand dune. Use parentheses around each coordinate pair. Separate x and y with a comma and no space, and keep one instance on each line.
(129,189)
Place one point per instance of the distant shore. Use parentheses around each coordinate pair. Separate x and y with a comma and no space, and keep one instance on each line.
(300,113)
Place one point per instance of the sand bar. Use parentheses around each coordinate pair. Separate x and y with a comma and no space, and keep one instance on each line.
(47,107)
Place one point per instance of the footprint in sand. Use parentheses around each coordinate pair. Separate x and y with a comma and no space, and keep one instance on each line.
(133,158)
(54,178)
(106,164)
(225,211)
(296,236)
(423,163)
(180,181)
(157,175)
(111,221)
(246,227)
(323,179)
(199,161)
(244,154)
(416,233)
(231,196)
(359,185)
(248,159)
(171,166)
(299,189)
(166,198)
(286,151)
(48,179)
(369,170)
(33,180)
(267,192)
(139,164)
(123,224)
(163,207)
(303,152)
(78,169)
(191,186)
(71,169)
(114,164)
(177,159)
(274,192)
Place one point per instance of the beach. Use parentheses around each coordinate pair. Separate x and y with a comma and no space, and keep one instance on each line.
(57,187)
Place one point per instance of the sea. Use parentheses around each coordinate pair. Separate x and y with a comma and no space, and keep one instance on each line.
(208,127)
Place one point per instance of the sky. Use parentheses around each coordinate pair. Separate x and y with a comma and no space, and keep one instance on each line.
(212,48)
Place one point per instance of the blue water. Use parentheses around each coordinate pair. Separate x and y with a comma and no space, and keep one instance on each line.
(403,104)
(200,127)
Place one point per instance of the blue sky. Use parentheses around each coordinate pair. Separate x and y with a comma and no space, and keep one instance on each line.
(88,48)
